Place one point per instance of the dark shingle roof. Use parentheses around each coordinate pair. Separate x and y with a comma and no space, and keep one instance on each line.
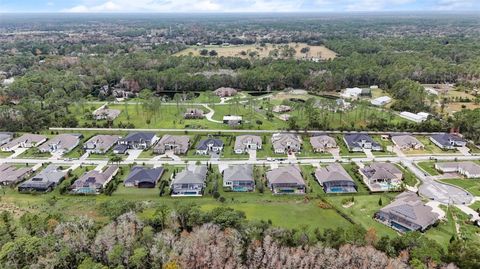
(144,174)
(203,145)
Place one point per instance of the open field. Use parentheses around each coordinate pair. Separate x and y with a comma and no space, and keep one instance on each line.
(471,185)
(272,50)
(429,167)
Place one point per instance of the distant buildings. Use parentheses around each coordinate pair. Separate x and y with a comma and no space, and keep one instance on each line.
(355,93)
(61,144)
(407,213)
(281,109)
(239,178)
(193,113)
(93,182)
(143,177)
(448,141)
(467,169)
(244,143)
(335,179)
(407,142)
(189,182)
(418,117)
(360,142)
(106,114)
(286,180)
(225,92)
(286,143)
(232,120)
(178,144)
(381,101)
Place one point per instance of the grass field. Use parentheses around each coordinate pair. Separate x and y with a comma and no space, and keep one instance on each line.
(429,167)
(471,185)
(262,51)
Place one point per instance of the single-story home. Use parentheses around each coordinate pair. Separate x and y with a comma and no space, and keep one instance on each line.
(322,143)
(93,181)
(120,149)
(360,142)
(106,114)
(418,117)
(45,181)
(225,92)
(407,213)
(143,177)
(448,141)
(61,143)
(244,143)
(335,179)
(24,141)
(239,178)
(286,180)
(407,142)
(468,169)
(11,175)
(381,101)
(139,140)
(193,113)
(189,182)
(286,143)
(179,144)
(209,145)
(382,176)
(100,144)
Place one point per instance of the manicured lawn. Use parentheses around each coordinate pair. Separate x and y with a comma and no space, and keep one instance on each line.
(432,148)
(429,167)
(4,154)
(471,185)
(35,153)
(408,177)
(352,170)
(475,205)
(344,150)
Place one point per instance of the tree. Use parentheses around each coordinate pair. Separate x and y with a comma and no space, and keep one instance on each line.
(213,53)
(204,52)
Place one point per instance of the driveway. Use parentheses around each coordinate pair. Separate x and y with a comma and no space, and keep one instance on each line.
(465,151)
(209,115)
(397,151)
(369,153)
(17,152)
(252,155)
(335,153)
(133,154)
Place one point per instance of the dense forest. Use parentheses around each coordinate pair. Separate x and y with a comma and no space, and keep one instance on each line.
(187,237)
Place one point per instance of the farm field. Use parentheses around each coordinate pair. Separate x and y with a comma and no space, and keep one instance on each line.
(273,50)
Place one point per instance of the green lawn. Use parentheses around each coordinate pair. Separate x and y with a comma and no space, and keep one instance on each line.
(429,167)
(471,185)
(34,152)
(432,148)
(475,205)
(408,177)
(343,148)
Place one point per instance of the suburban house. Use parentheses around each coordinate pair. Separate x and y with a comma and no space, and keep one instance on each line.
(178,144)
(5,138)
(45,181)
(189,182)
(244,143)
(354,93)
(286,180)
(286,143)
(24,141)
(11,175)
(232,120)
(239,178)
(93,182)
(335,179)
(61,143)
(225,92)
(418,117)
(139,140)
(468,169)
(281,109)
(407,213)
(100,144)
(106,114)
(448,141)
(360,142)
(209,145)
(143,177)
(382,176)
(322,143)
(381,101)
(120,149)
(407,142)
(193,113)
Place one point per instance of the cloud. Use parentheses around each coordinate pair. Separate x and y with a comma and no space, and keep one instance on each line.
(458,4)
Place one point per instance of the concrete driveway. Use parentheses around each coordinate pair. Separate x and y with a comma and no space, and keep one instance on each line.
(17,152)
(252,155)
(465,151)
(133,154)
(369,153)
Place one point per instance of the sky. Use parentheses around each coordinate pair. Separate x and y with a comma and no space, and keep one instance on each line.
(101,6)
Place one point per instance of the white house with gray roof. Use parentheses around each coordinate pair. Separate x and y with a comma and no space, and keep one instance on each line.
(448,141)
(407,213)
(100,144)
(322,143)
(24,141)
(407,142)
(209,145)
(189,182)
(61,143)
(467,169)
(382,176)
(244,143)
(45,181)
(286,180)
(5,138)
(178,144)
(335,179)
(239,178)
(286,143)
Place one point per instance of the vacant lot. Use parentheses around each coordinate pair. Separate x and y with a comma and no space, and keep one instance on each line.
(273,50)
(471,185)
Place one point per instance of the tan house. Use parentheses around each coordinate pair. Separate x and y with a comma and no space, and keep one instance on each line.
(322,143)
(225,92)
(382,176)
(407,142)
(193,113)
